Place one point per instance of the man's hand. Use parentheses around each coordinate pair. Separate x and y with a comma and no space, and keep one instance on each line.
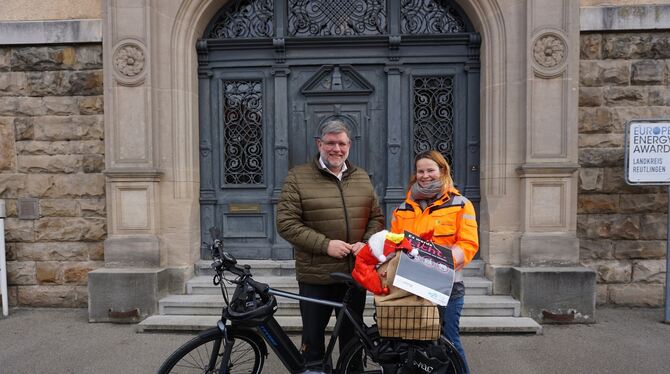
(338,249)
(357,247)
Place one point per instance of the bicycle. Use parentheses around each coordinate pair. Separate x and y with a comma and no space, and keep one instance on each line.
(238,344)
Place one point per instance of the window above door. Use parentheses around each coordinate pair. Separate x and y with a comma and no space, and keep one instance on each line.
(336,18)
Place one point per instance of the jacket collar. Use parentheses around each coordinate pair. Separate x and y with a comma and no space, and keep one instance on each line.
(350,168)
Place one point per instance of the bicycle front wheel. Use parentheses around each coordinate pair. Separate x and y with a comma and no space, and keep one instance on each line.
(203,354)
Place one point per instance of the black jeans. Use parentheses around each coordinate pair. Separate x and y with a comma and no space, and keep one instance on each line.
(315,317)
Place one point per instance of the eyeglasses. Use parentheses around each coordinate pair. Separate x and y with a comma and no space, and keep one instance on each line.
(331,145)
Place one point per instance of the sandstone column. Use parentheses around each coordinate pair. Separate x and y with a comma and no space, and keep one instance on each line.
(132,281)
(549,248)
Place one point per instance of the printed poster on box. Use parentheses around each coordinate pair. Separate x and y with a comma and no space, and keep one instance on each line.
(430,274)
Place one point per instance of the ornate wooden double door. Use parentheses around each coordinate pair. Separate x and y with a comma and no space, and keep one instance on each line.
(403,75)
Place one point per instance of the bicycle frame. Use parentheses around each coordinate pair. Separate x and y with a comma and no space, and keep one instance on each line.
(287,352)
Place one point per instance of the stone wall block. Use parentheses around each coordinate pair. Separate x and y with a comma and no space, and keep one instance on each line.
(92,207)
(65,185)
(644,203)
(637,294)
(24,128)
(55,251)
(614,73)
(17,230)
(86,83)
(590,96)
(612,226)
(21,272)
(598,249)
(96,251)
(590,74)
(50,164)
(659,111)
(626,96)
(49,83)
(587,203)
(43,58)
(649,271)
(68,128)
(81,147)
(639,249)
(88,57)
(49,272)
(590,179)
(615,182)
(70,229)
(590,46)
(654,227)
(80,185)
(13,84)
(5,58)
(8,106)
(595,120)
(81,296)
(61,105)
(602,294)
(611,271)
(11,185)
(47,296)
(91,105)
(58,208)
(659,96)
(11,250)
(648,72)
(77,272)
(660,46)
(627,46)
(621,115)
(7,145)
(93,163)
(599,157)
(601,140)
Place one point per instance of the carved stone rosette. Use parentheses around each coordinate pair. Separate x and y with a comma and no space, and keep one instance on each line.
(549,52)
(129,63)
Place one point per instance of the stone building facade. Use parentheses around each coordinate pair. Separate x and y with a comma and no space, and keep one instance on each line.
(624,75)
(51,159)
(117,190)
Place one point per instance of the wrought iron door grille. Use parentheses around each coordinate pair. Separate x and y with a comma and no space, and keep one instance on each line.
(430,17)
(433,114)
(336,17)
(244,19)
(243,132)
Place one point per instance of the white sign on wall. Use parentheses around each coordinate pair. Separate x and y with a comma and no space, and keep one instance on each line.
(648,152)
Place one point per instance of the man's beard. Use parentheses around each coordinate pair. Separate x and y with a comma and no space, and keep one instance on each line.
(329,165)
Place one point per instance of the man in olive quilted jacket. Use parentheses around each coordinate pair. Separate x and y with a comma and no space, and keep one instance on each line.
(327,210)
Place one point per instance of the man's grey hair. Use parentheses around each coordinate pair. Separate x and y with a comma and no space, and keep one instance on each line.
(334,126)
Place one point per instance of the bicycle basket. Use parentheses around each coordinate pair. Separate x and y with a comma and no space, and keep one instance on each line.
(410,322)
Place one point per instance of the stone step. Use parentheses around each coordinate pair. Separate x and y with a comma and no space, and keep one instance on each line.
(475,305)
(163,323)
(202,284)
(287,267)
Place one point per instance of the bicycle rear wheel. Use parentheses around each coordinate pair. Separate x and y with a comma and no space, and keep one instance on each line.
(203,354)
(355,359)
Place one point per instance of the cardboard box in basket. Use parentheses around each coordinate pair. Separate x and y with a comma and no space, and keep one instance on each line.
(401,314)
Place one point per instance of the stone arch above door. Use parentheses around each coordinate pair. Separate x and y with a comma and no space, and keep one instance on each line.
(187,23)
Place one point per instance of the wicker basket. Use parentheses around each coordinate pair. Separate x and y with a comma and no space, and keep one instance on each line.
(409,322)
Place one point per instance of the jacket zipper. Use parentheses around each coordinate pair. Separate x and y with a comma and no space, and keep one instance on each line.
(344,206)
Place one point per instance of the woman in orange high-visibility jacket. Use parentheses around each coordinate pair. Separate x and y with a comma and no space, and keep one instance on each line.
(436,211)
